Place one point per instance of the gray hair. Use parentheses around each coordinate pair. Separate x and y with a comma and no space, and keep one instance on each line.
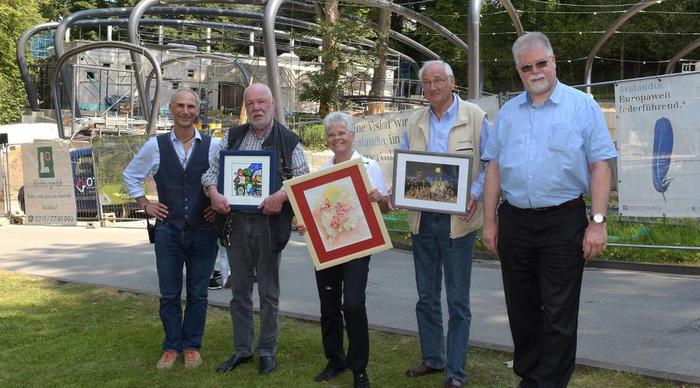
(173,97)
(531,40)
(448,69)
(259,85)
(339,117)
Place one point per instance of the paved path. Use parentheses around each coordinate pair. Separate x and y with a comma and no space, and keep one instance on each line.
(633,321)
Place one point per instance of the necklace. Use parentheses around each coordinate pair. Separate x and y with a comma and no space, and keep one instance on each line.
(191,137)
(184,160)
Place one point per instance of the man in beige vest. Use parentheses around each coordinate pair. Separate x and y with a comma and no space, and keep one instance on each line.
(443,242)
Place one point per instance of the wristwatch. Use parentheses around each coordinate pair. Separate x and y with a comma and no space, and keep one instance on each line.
(597,218)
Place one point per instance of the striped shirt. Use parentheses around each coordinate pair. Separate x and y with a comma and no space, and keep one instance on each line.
(252,143)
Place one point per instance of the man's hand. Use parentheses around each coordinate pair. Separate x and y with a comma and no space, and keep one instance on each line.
(156,210)
(273,204)
(301,229)
(374,195)
(490,237)
(594,240)
(471,209)
(218,202)
(210,215)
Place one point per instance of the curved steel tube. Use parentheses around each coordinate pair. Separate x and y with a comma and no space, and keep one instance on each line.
(514,18)
(271,49)
(614,27)
(92,46)
(75,20)
(65,24)
(22,61)
(474,47)
(132,31)
(676,58)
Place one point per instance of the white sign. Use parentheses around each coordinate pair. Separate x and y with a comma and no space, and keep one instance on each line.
(377,136)
(48,183)
(658,131)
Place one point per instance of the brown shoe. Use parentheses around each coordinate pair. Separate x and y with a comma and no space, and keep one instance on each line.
(192,359)
(422,369)
(452,383)
(167,360)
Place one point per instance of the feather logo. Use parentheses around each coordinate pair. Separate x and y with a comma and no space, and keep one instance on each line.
(661,155)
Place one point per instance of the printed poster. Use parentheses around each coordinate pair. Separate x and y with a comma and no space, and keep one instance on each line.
(658,126)
(48,183)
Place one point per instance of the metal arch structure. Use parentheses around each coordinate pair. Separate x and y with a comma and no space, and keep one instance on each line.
(635,9)
(65,24)
(271,49)
(22,61)
(685,51)
(74,18)
(474,56)
(514,18)
(75,21)
(92,46)
(474,29)
(145,4)
(140,9)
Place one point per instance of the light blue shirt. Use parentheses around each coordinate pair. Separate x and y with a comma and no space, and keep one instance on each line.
(439,134)
(147,160)
(543,152)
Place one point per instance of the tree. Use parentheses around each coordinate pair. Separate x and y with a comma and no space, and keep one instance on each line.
(341,55)
(16,16)
(381,47)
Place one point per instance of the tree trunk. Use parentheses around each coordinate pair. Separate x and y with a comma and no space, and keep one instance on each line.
(381,46)
(329,96)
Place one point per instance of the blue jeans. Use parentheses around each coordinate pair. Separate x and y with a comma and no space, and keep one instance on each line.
(434,252)
(196,250)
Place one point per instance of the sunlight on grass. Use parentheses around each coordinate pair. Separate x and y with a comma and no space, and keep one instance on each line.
(62,334)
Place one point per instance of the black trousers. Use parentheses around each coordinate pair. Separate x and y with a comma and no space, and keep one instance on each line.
(542,266)
(341,290)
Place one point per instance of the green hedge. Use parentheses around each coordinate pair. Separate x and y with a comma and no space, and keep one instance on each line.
(313,136)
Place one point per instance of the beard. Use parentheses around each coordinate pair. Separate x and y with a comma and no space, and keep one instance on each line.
(538,84)
(261,122)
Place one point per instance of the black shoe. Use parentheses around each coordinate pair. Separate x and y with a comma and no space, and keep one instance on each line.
(360,379)
(328,373)
(267,364)
(214,284)
(216,275)
(233,363)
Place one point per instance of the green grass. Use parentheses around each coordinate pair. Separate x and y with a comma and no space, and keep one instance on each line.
(63,334)
(680,233)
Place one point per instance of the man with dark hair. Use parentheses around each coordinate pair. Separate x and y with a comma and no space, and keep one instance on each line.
(184,235)
(260,235)
(549,146)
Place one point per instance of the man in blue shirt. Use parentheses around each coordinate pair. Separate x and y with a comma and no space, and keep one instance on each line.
(184,234)
(549,146)
(444,242)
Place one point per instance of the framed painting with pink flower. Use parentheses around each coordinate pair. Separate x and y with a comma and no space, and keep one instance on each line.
(342,224)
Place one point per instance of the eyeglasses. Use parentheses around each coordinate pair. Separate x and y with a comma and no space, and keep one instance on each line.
(435,81)
(337,134)
(539,64)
